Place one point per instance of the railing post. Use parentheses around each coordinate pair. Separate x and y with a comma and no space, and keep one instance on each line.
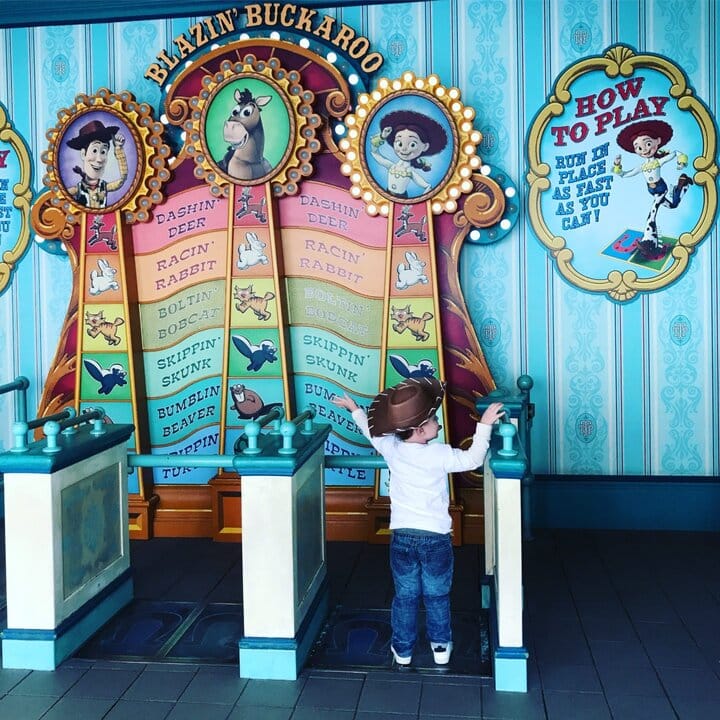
(504,469)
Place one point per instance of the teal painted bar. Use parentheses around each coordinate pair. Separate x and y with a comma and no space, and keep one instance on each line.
(73,448)
(510,669)
(632,401)
(509,663)
(79,11)
(282,658)
(442,19)
(46,649)
(537,353)
(629,504)
(100,71)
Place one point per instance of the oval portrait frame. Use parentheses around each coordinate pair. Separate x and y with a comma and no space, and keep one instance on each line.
(296,121)
(424,114)
(57,210)
(68,158)
(363,141)
(621,69)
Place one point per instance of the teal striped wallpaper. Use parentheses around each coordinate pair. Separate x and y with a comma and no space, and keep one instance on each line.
(615,392)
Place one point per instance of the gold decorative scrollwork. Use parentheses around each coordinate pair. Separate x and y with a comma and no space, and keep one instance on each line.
(240,166)
(574,89)
(141,163)
(22,196)
(459,166)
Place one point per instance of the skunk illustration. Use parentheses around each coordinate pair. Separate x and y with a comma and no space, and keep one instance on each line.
(258,355)
(107,377)
(423,369)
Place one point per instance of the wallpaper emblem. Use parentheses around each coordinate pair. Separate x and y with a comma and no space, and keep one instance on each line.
(622,173)
(680,330)
(581,37)
(586,427)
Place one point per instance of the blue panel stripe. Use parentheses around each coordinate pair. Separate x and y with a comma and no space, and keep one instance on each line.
(535,267)
(443,13)
(99,48)
(631,397)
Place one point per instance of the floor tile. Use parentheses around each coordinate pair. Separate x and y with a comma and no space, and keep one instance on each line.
(55,683)
(157,685)
(512,706)
(389,696)
(10,678)
(446,698)
(570,678)
(342,694)
(635,707)
(623,680)
(135,709)
(576,706)
(25,707)
(271,693)
(307,713)
(214,684)
(200,711)
(250,712)
(103,683)
(78,708)
(696,708)
(690,683)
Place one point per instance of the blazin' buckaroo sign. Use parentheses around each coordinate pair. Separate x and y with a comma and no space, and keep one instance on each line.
(622,173)
(267,15)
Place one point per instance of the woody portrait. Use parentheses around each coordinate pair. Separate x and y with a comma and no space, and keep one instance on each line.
(93,141)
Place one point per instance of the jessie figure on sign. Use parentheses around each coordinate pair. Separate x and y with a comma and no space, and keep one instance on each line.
(647,139)
(411,136)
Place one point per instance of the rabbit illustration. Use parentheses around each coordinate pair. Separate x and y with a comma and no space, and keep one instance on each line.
(412,273)
(103,280)
(252,253)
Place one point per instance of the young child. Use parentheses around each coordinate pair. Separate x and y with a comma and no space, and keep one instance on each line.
(400,424)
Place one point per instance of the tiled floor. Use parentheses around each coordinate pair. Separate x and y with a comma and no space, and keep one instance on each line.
(619,625)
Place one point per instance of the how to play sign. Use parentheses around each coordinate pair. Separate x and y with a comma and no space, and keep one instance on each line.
(622,173)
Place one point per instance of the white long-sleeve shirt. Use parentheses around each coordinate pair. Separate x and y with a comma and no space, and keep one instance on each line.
(419,496)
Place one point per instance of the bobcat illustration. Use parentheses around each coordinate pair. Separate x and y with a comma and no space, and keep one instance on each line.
(248,300)
(98,325)
(405,320)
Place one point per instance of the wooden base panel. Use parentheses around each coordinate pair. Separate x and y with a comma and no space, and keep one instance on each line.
(346,515)
(141,518)
(226,495)
(351,513)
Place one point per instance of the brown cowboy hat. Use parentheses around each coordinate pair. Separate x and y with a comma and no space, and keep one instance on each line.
(651,128)
(405,406)
(94,130)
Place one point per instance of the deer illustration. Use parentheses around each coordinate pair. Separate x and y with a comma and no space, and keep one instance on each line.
(407,227)
(101,235)
(245,207)
(244,131)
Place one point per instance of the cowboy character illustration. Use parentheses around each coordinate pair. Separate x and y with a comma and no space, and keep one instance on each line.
(93,141)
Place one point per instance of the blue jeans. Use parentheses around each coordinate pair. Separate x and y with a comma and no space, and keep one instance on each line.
(422,565)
